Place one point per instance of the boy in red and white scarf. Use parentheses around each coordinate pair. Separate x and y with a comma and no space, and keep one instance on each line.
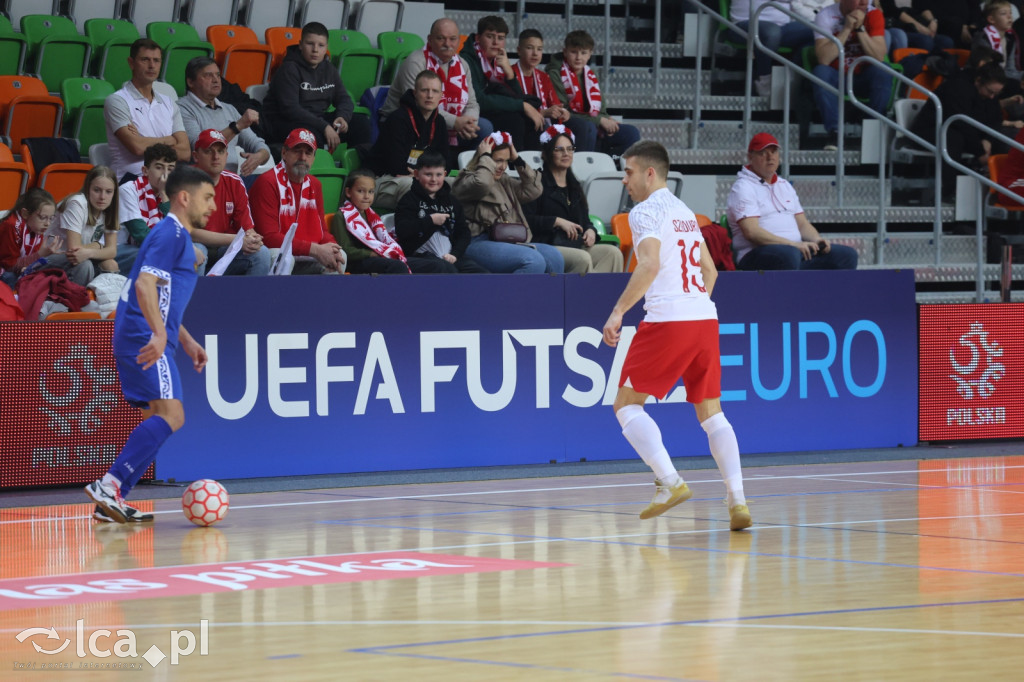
(497,90)
(533,81)
(580,92)
(142,202)
(288,194)
(998,34)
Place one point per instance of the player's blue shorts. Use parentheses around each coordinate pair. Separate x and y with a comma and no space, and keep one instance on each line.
(159,382)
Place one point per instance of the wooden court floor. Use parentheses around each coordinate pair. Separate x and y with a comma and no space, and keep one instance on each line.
(906,570)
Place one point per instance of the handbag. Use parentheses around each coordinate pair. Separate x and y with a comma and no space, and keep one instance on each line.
(510,233)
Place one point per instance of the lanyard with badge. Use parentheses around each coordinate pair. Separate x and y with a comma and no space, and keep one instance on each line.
(417,150)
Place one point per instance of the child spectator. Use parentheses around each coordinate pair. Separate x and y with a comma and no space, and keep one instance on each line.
(365,239)
(429,220)
(415,126)
(999,35)
(21,233)
(87,226)
(580,92)
(536,84)
(142,202)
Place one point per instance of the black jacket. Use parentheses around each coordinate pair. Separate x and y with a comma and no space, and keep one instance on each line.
(959,95)
(558,202)
(299,97)
(399,134)
(414,226)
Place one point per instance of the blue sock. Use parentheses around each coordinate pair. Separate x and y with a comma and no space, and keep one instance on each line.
(139,452)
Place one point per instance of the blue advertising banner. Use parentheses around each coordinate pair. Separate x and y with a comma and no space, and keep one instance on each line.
(315,375)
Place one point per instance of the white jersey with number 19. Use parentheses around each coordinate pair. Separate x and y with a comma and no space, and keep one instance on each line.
(678,292)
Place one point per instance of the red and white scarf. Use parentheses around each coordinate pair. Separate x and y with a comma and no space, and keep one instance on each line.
(28,241)
(538,86)
(572,88)
(995,41)
(293,211)
(149,207)
(456,87)
(492,74)
(375,235)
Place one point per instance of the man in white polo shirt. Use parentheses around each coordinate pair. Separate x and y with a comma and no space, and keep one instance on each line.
(138,117)
(769,228)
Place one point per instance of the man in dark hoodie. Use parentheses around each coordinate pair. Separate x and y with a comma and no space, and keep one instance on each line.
(404,135)
(497,89)
(429,221)
(302,91)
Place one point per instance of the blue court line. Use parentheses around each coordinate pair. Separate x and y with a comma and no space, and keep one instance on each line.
(523,666)
(600,541)
(283,656)
(387,649)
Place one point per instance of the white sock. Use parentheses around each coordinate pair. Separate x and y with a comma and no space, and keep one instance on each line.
(645,437)
(726,452)
(111,482)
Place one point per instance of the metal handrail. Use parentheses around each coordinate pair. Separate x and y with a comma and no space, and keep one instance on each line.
(754,40)
(937,219)
(979,226)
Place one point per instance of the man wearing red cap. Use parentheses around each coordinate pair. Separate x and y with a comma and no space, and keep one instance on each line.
(769,228)
(211,155)
(289,195)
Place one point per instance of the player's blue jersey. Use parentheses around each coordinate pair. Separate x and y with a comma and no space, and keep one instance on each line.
(168,254)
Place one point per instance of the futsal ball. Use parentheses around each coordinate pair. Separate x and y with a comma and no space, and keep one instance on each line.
(205,502)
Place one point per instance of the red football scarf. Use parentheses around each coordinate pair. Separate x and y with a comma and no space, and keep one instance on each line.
(149,207)
(572,88)
(538,86)
(375,235)
(456,88)
(293,210)
(490,73)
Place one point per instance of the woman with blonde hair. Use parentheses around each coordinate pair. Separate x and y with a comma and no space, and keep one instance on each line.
(85,230)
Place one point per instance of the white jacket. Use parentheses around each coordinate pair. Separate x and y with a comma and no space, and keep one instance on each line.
(107,288)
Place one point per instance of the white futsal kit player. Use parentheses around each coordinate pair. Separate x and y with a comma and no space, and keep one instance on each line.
(678,337)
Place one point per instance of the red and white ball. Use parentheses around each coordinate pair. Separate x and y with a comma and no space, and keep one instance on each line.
(205,502)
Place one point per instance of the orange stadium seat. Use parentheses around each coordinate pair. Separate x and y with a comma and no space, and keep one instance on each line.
(278,38)
(620,228)
(28,110)
(995,163)
(63,179)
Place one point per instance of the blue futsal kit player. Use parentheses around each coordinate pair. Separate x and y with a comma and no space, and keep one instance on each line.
(147,331)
